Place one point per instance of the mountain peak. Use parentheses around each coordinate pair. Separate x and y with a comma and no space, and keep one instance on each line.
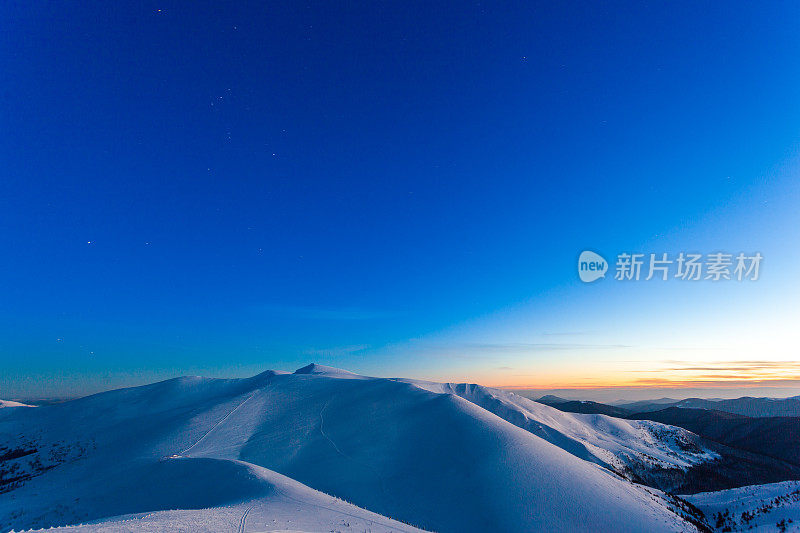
(550,398)
(314,368)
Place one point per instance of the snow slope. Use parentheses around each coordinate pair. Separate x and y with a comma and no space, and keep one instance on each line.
(758,508)
(397,448)
(634,448)
(278,504)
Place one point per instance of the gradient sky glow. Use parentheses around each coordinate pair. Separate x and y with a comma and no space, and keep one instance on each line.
(396,189)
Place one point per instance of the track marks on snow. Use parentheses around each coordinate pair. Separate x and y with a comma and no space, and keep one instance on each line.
(215,426)
(243,519)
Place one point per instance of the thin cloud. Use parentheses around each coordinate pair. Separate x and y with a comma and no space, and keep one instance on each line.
(715,382)
(566,333)
(337,350)
(536,347)
(733,366)
(323,313)
(474,351)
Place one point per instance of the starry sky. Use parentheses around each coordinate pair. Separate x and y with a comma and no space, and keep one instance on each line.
(396,188)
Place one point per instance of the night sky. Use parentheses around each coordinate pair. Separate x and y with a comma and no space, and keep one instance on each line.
(396,188)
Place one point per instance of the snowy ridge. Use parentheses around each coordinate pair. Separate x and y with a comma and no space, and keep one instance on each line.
(773,507)
(329,371)
(627,446)
(399,449)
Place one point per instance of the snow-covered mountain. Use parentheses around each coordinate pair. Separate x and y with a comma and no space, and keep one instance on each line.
(280,446)
(774,507)
(637,449)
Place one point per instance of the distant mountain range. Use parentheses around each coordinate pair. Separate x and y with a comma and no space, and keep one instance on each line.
(747,406)
(583,406)
(768,445)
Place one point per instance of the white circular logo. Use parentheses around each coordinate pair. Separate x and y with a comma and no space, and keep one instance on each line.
(591,266)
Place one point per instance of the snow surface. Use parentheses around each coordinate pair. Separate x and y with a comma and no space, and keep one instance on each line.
(757,508)
(281,504)
(416,452)
(9,403)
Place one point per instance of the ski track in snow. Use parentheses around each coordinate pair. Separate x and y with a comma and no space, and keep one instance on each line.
(322,431)
(381,480)
(243,520)
(215,426)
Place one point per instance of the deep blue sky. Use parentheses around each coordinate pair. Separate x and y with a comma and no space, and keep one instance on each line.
(217,188)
